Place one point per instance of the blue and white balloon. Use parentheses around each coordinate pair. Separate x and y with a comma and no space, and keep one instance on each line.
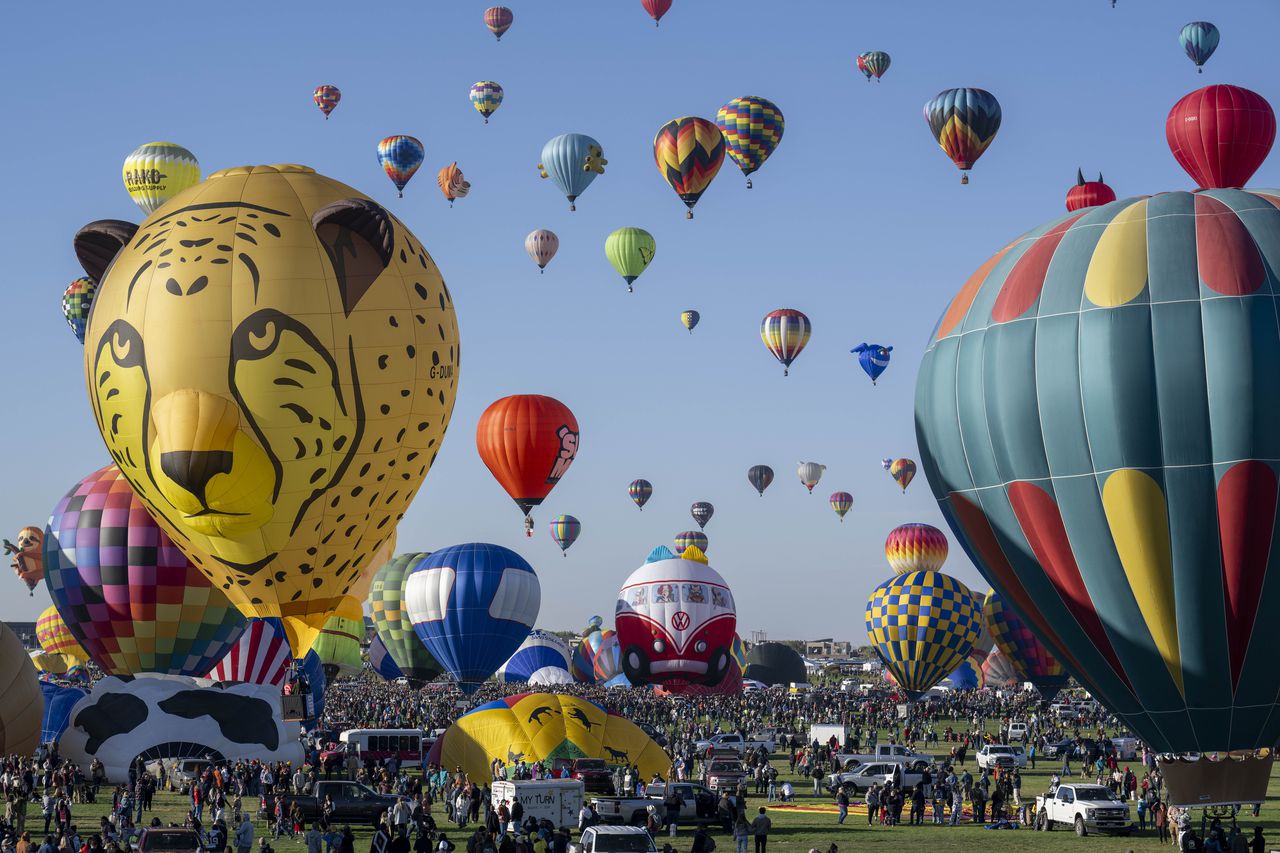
(543,658)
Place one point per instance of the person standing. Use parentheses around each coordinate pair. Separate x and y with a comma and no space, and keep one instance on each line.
(842,800)
(873,804)
(244,835)
(760,827)
(1160,818)
(741,832)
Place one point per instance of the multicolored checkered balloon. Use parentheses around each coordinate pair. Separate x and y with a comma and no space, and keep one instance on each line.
(77,299)
(922,625)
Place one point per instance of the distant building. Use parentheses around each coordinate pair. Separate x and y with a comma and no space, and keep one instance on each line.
(827,648)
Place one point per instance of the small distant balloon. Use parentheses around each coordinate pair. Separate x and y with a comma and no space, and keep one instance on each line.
(785,333)
(656,9)
(1199,39)
(630,250)
(156,172)
(77,299)
(572,161)
(964,122)
(903,471)
(760,476)
(691,539)
(326,98)
(498,19)
(542,246)
(486,97)
(702,512)
(874,358)
(886,463)
(752,128)
(565,530)
(810,473)
(690,319)
(640,491)
(452,184)
(875,64)
(862,66)
(841,503)
(400,157)
(1088,193)
(689,152)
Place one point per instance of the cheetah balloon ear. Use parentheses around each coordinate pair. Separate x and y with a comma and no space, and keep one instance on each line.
(98,243)
(359,237)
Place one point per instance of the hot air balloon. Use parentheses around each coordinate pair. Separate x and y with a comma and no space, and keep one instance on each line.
(48,665)
(1199,39)
(21,702)
(498,19)
(28,556)
(572,161)
(381,662)
(348,351)
(542,246)
(565,530)
(886,463)
(915,547)
(338,645)
(77,299)
(400,156)
(921,625)
(876,63)
(541,728)
(968,675)
(689,152)
(810,473)
(998,671)
(640,491)
(486,97)
(393,624)
(760,476)
(1143,562)
(326,98)
(903,471)
(452,184)
(543,658)
(58,702)
(1031,660)
(132,600)
(656,9)
(774,663)
(752,128)
(785,332)
(1220,135)
(862,66)
(260,656)
(630,250)
(964,122)
(582,664)
(156,172)
(841,503)
(873,358)
(687,539)
(607,663)
(472,605)
(1089,193)
(528,442)
(676,620)
(55,638)
(702,512)
(690,319)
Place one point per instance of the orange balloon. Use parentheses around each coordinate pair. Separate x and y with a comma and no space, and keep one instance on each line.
(528,443)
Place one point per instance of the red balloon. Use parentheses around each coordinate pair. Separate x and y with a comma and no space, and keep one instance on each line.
(1089,193)
(528,443)
(656,9)
(1221,134)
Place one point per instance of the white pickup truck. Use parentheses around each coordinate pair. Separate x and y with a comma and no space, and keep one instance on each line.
(614,839)
(734,741)
(995,755)
(1086,808)
(697,805)
(881,752)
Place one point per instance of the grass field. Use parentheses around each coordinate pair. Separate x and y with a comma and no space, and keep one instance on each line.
(797,830)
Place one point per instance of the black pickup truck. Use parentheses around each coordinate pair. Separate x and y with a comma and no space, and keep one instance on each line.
(352,803)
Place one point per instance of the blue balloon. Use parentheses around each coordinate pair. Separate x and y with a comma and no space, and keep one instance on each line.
(1199,39)
(874,358)
(58,702)
(572,160)
(314,671)
(542,650)
(964,677)
(472,605)
(381,661)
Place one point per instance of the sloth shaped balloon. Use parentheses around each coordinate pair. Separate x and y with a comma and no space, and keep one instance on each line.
(271,360)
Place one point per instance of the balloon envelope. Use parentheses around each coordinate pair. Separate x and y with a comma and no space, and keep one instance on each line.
(381,662)
(393,624)
(21,700)
(760,477)
(338,645)
(542,246)
(326,98)
(873,359)
(915,547)
(260,656)
(55,638)
(486,97)
(702,512)
(774,663)
(922,625)
(785,333)
(1220,135)
(77,299)
(1199,39)
(691,539)
(565,530)
(630,251)
(156,172)
(689,152)
(752,128)
(640,491)
(540,652)
(498,19)
(58,702)
(964,122)
(1029,657)
(472,605)
(527,442)
(572,161)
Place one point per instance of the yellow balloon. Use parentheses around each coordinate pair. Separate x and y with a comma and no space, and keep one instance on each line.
(272,361)
(338,644)
(21,702)
(360,589)
(157,171)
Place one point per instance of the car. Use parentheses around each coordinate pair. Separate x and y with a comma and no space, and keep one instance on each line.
(174,839)
(1058,749)
(1017,731)
(352,802)
(864,776)
(734,741)
(1085,808)
(995,755)
(614,839)
(725,774)
(178,774)
(595,775)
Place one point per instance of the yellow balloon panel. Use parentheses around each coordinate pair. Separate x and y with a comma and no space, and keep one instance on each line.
(543,727)
(272,361)
(21,702)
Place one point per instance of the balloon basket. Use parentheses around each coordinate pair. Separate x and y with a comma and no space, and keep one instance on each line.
(964,179)
(748,183)
(689,215)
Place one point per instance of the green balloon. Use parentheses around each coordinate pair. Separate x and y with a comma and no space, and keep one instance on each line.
(630,250)
(391,620)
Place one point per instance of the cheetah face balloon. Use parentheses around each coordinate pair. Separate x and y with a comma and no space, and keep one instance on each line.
(271,359)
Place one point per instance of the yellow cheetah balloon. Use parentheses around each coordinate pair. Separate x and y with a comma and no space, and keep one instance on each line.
(272,359)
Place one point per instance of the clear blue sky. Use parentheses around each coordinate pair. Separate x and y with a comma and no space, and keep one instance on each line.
(859,220)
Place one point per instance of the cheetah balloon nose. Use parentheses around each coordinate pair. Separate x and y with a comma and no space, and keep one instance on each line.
(195,435)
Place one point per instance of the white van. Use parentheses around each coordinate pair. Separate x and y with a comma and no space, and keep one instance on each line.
(557,800)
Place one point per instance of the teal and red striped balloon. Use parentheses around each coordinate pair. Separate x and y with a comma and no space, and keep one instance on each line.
(565,530)
(752,128)
(1098,416)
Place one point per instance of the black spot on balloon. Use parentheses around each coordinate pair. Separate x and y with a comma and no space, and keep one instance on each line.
(411,351)
(317,582)
(420,290)
(382,361)
(385,409)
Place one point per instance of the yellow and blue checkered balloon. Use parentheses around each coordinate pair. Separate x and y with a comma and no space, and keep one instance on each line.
(922,625)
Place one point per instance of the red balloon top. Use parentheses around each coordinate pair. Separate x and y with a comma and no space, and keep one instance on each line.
(528,442)
(1221,134)
(1089,193)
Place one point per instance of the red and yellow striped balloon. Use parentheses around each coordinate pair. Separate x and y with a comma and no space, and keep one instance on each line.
(56,638)
(689,152)
(915,548)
